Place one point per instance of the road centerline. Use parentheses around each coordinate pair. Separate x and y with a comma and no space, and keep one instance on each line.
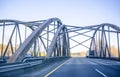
(55,69)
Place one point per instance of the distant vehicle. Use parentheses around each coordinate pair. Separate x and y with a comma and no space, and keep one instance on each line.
(90,53)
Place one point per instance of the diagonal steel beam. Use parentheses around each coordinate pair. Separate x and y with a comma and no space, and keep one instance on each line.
(50,49)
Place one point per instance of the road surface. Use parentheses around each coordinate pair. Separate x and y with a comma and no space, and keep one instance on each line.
(80,67)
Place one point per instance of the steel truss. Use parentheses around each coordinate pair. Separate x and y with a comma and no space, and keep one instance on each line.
(54,38)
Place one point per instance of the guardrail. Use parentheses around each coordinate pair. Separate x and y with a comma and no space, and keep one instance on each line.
(19,68)
(109,58)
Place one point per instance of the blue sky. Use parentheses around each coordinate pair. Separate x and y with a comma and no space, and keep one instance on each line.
(73,12)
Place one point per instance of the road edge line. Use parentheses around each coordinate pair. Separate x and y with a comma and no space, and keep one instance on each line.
(100,73)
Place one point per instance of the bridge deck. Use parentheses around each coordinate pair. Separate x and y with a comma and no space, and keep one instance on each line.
(76,67)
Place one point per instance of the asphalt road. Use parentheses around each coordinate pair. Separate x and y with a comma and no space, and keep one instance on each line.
(84,67)
(79,67)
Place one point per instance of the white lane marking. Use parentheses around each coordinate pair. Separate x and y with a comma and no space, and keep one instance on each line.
(118,62)
(69,61)
(55,69)
(92,63)
(101,73)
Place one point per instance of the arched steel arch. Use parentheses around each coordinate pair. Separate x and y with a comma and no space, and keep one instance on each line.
(99,39)
(101,46)
(16,30)
(22,50)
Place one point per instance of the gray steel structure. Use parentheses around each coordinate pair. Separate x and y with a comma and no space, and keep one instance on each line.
(55,38)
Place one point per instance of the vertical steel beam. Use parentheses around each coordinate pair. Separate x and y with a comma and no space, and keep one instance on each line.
(96,49)
(118,44)
(105,41)
(102,54)
(47,36)
(34,51)
(25,32)
(56,43)
(109,41)
(39,49)
(64,42)
(3,39)
(99,43)
(16,39)
(19,33)
(106,46)
(68,42)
